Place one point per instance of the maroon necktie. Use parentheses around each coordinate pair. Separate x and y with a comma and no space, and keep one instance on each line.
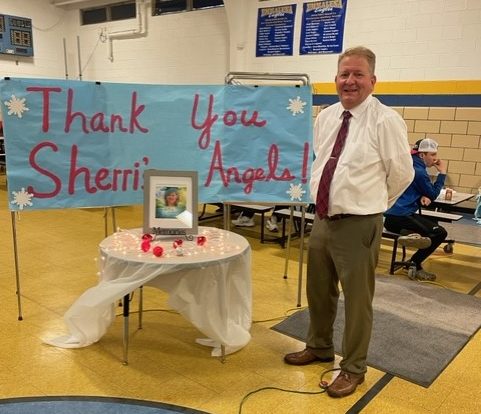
(322,200)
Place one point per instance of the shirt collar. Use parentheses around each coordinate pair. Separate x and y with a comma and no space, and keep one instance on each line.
(357,110)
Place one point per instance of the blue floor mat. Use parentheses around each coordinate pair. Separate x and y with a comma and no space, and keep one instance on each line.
(88,405)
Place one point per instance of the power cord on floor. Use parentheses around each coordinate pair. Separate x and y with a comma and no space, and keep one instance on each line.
(286,315)
(323,384)
(432,282)
(277,318)
(278,389)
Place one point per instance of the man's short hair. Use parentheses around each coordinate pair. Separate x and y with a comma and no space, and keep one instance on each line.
(360,51)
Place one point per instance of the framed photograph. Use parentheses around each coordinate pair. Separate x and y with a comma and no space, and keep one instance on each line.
(170,202)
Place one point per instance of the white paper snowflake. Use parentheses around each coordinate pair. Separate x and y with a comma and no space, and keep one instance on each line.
(22,198)
(296,106)
(16,106)
(295,192)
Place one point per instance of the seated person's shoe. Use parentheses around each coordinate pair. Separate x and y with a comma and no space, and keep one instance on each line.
(243,221)
(421,274)
(344,384)
(271,225)
(414,240)
(304,357)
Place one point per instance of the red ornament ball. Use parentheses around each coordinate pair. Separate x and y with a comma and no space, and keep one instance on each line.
(201,240)
(147,236)
(158,251)
(177,243)
(145,245)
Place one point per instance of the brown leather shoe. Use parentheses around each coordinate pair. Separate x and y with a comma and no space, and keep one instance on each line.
(305,357)
(344,384)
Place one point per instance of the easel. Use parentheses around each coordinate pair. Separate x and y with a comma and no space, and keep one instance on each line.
(291,206)
(15,251)
(14,226)
(276,79)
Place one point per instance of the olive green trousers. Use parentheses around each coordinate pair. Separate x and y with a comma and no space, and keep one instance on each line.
(343,252)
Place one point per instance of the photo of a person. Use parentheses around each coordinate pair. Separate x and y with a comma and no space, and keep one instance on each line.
(170,201)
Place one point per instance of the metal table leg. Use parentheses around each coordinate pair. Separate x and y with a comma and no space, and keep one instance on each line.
(126,306)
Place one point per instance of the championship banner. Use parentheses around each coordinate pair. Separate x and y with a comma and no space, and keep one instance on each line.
(275,30)
(322,29)
(86,144)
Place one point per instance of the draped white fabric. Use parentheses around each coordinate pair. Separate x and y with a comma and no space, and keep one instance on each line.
(209,285)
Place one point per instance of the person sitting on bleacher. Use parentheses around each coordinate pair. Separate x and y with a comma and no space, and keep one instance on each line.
(403,217)
(273,220)
(246,219)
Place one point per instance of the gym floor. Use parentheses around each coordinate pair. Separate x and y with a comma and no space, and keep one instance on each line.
(57,252)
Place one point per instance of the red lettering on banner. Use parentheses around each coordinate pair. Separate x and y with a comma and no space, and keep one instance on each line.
(272,161)
(102,122)
(251,174)
(103,179)
(117,179)
(46,103)
(33,162)
(102,174)
(75,172)
(204,138)
(230,118)
(98,122)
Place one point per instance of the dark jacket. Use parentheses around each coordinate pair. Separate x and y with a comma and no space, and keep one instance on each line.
(409,202)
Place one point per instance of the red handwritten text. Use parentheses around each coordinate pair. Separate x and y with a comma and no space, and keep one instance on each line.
(230,118)
(250,175)
(103,179)
(98,122)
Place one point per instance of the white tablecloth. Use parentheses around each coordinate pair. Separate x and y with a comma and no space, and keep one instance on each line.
(209,285)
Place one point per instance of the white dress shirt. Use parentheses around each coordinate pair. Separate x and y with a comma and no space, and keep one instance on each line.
(375,166)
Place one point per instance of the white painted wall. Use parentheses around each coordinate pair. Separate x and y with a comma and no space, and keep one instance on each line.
(48,30)
(180,48)
(413,40)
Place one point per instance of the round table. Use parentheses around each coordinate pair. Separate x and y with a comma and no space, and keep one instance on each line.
(208,283)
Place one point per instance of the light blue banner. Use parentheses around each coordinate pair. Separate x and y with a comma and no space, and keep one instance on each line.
(86,144)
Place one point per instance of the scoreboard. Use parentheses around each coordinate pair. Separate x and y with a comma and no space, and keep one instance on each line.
(16,35)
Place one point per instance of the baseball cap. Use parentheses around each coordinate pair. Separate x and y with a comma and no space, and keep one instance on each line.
(171,190)
(425,145)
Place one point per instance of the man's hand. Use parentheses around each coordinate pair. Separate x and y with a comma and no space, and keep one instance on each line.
(425,201)
(441,166)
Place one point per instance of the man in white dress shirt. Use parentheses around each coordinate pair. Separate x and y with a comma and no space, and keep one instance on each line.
(373,169)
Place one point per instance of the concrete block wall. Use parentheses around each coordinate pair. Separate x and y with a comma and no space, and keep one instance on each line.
(458,133)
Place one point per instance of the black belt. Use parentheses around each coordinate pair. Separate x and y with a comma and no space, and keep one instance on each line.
(338,217)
